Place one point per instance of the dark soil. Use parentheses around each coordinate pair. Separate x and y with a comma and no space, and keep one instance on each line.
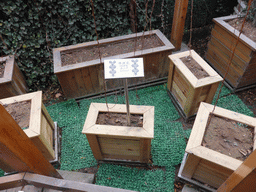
(248,30)
(20,112)
(229,137)
(2,67)
(119,119)
(194,67)
(121,47)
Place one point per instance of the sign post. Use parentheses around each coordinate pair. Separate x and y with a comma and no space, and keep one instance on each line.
(124,68)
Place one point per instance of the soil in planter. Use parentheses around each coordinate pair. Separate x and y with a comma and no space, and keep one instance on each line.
(194,67)
(119,119)
(248,30)
(229,137)
(111,49)
(20,112)
(2,67)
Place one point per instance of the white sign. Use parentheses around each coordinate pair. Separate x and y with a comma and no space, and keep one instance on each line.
(123,68)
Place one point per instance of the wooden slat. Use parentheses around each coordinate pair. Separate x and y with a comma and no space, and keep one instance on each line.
(190,166)
(12,181)
(229,41)
(145,148)
(227,51)
(218,64)
(94,144)
(114,146)
(226,58)
(244,174)
(14,138)
(65,185)
(210,173)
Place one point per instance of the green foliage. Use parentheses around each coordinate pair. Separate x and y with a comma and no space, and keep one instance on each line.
(31,29)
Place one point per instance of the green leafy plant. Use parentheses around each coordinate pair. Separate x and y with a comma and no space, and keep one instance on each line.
(30,29)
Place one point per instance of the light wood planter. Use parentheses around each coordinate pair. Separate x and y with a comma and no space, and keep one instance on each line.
(13,82)
(206,165)
(120,143)
(185,88)
(41,126)
(242,71)
(87,78)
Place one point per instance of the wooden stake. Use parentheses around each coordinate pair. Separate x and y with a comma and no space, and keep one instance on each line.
(127,102)
(18,153)
(178,23)
(243,178)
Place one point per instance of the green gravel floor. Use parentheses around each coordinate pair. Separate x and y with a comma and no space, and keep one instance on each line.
(168,145)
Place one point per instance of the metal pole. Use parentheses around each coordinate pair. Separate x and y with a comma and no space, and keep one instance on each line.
(127,102)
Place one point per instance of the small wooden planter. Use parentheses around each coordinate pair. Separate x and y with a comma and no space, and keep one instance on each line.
(206,165)
(120,143)
(13,82)
(242,71)
(185,88)
(41,127)
(87,78)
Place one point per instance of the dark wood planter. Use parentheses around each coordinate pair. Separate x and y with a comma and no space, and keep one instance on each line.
(13,82)
(120,143)
(206,165)
(242,71)
(87,78)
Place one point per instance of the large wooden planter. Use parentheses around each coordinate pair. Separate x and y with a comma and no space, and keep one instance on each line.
(206,165)
(13,82)
(242,71)
(185,88)
(41,127)
(120,143)
(87,78)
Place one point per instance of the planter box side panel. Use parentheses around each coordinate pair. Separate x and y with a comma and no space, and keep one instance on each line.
(81,82)
(156,65)
(249,77)
(179,86)
(6,90)
(205,171)
(211,173)
(19,81)
(17,85)
(119,148)
(218,54)
(47,150)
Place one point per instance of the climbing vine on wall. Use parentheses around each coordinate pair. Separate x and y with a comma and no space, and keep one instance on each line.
(30,29)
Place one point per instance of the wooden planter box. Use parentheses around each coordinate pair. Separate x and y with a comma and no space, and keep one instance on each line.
(41,127)
(206,165)
(185,88)
(13,82)
(242,71)
(87,78)
(120,143)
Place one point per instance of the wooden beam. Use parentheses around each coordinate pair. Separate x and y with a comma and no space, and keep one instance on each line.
(179,17)
(60,184)
(16,147)
(243,178)
(12,181)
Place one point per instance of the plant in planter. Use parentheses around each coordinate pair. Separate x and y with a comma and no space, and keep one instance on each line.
(219,142)
(80,69)
(220,47)
(191,81)
(12,82)
(31,115)
(120,142)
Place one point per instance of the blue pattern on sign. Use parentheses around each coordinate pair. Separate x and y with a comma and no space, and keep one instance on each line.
(135,65)
(112,67)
